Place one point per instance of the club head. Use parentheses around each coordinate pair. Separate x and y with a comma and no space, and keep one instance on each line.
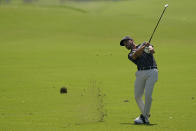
(166,5)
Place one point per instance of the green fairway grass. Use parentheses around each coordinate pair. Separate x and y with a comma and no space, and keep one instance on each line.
(45,47)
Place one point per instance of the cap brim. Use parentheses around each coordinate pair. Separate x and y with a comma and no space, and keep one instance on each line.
(122,43)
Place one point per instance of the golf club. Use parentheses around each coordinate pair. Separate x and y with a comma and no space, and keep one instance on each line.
(158,23)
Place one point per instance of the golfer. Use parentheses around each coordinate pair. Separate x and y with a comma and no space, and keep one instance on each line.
(146,76)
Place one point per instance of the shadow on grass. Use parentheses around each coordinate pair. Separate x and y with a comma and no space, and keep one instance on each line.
(138,124)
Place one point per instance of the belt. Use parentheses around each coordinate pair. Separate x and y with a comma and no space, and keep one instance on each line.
(147,68)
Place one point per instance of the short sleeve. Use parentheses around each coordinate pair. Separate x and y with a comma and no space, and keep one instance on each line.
(130,55)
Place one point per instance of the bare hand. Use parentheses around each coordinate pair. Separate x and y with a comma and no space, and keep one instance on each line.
(151,50)
(147,44)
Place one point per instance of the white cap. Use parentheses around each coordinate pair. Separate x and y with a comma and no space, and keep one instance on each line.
(166,5)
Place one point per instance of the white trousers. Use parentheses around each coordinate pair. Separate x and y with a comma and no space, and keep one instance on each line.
(145,80)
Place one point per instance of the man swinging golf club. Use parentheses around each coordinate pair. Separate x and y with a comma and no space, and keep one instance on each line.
(147,74)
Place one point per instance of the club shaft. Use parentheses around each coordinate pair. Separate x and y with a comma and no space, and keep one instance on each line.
(157,25)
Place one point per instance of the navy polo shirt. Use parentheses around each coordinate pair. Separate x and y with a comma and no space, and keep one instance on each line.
(145,60)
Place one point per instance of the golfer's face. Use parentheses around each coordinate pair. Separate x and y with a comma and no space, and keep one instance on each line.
(129,44)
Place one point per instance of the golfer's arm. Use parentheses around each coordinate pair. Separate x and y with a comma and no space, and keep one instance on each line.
(152,50)
(138,53)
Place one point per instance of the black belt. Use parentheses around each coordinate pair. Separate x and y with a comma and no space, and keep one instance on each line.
(147,68)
